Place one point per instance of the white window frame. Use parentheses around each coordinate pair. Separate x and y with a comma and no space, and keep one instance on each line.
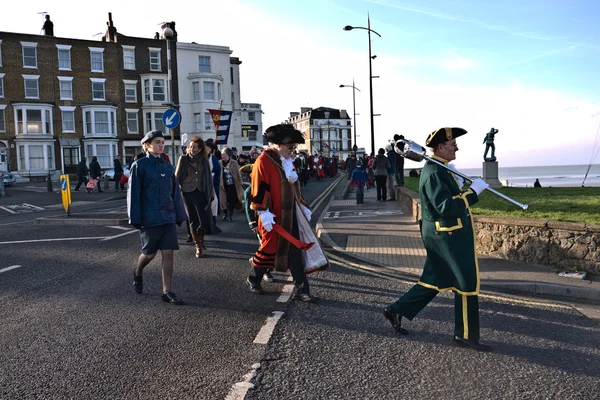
(91,149)
(47,123)
(0,52)
(65,79)
(201,65)
(96,50)
(64,110)
(148,92)
(127,84)
(126,51)
(97,81)
(154,67)
(209,125)
(204,84)
(30,78)
(67,48)
(151,124)
(128,113)
(196,93)
(3,125)
(29,45)
(24,157)
(1,84)
(198,122)
(112,121)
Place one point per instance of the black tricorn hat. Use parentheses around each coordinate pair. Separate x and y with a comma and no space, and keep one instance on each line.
(210,143)
(283,134)
(443,135)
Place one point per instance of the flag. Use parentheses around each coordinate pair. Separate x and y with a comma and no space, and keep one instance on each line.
(222,121)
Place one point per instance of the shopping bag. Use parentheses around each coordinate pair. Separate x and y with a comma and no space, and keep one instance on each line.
(124,179)
(92,183)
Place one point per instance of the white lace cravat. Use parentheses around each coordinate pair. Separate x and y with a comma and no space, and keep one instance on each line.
(288,168)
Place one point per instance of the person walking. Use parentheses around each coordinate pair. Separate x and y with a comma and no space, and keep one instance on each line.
(82,174)
(232,194)
(359,179)
(95,172)
(215,169)
(302,167)
(118,169)
(195,180)
(155,207)
(391,171)
(277,200)
(380,168)
(447,230)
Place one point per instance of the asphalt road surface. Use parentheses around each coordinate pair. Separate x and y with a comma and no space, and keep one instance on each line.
(72,327)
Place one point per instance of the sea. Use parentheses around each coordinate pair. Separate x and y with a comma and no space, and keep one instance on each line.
(549,176)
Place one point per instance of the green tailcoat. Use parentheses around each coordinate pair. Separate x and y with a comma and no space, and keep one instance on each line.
(448,233)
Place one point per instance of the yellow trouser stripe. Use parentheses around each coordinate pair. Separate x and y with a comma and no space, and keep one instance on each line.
(465,318)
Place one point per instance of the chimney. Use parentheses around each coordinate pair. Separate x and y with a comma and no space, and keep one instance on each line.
(305,109)
(48,26)
(111,31)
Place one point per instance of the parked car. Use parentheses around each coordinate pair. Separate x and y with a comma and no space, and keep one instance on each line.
(8,178)
(110,173)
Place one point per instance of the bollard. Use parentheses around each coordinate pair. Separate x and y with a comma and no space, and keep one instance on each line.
(49,182)
(2,190)
(105,182)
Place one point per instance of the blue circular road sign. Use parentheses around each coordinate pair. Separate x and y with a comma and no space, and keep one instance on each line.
(171,118)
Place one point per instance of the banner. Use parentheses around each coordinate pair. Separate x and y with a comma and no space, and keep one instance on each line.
(222,121)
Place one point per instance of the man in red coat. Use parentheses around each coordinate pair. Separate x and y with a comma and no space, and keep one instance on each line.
(275,195)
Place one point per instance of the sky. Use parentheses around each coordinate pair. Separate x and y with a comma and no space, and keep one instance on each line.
(528,69)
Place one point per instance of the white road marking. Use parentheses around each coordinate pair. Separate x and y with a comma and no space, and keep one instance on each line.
(10,268)
(20,222)
(239,390)
(286,291)
(54,240)
(123,228)
(10,211)
(117,236)
(267,329)
(32,206)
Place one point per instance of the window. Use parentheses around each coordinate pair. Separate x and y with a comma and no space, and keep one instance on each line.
(68,119)
(251,116)
(218,91)
(1,85)
(66,87)
(132,121)
(208,122)
(33,120)
(231,73)
(103,154)
(154,121)
(50,158)
(99,121)
(97,59)
(29,55)
(64,57)
(197,122)
(130,91)
(98,88)
(0,52)
(36,157)
(2,119)
(203,64)
(196,90)
(128,57)
(32,90)
(154,59)
(154,89)
(209,91)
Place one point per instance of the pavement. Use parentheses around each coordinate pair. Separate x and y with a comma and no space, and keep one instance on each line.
(384,235)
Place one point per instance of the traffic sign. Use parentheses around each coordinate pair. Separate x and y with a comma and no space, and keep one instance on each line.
(171,118)
(65,189)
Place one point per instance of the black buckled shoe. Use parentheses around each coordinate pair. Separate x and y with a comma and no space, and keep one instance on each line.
(254,287)
(472,344)
(395,319)
(171,298)
(138,283)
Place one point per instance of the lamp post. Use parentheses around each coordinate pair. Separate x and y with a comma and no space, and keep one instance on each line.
(369,30)
(167,34)
(354,89)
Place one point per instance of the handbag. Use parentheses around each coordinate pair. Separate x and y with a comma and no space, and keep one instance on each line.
(124,179)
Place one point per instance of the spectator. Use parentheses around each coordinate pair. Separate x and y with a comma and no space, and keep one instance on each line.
(96,171)
(537,183)
(359,179)
(399,175)
(82,174)
(232,194)
(380,169)
(391,171)
(118,168)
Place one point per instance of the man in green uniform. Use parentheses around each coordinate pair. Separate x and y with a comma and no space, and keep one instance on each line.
(449,238)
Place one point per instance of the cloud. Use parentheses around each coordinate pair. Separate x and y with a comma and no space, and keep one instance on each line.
(456,62)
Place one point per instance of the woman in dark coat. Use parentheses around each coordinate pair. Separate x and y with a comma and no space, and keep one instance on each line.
(95,171)
(195,180)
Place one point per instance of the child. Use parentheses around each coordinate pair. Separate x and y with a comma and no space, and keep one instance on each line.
(359,178)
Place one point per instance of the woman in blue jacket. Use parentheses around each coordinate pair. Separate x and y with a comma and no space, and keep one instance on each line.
(155,205)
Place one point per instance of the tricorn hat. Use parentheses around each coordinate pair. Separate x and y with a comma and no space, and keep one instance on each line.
(210,143)
(443,135)
(283,134)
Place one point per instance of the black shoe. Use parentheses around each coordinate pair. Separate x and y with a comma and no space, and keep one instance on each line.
(305,297)
(254,287)
(224,216)
(395,320)
(138,283)
(170,297)
(267,277)
(472,344)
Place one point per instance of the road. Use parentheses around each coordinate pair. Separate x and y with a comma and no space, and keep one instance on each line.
(72,327)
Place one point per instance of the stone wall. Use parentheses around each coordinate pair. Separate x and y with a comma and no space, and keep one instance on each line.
(564,245)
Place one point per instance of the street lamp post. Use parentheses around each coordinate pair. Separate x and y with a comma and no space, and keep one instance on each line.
(168,36)
(369,30)
(354,89)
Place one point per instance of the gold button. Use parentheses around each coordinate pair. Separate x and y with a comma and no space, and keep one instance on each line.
(449,233)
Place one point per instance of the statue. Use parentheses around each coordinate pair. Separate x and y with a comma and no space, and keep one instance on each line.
(489,143)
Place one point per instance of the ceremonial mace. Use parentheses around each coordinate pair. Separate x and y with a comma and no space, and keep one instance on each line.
(415,152)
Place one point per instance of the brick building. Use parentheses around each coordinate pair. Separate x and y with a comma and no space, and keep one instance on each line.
(62,99)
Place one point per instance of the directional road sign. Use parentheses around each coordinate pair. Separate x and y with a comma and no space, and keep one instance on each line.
(171,118)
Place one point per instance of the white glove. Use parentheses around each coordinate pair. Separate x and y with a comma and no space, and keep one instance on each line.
(267,218)
(306,211)
(459,179)
(478,185)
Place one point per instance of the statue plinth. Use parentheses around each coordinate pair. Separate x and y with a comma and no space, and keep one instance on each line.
(490,174)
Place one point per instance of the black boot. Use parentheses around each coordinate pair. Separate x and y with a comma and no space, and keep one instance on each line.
(230,216)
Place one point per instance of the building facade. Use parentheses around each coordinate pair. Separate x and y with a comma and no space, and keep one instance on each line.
(62,99)
(327,130)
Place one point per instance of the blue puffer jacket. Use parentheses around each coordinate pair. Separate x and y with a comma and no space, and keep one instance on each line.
(154,197)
